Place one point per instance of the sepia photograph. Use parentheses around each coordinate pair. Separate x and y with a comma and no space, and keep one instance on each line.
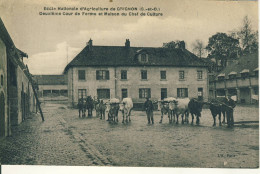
(158,85)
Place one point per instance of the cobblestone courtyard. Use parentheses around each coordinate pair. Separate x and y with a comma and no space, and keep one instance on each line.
(66,139)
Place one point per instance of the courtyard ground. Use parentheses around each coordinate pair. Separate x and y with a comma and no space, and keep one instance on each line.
(65,139)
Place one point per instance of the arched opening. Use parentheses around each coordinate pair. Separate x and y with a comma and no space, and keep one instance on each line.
(2,114)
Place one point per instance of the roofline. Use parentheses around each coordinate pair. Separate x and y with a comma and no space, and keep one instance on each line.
(114,66)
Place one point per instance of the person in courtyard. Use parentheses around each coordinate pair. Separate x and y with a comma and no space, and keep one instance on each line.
(230,117)
(148,105)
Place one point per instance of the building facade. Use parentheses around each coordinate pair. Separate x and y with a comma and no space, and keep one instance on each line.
(239,79)
(51,85)
(138,72)
(17,99)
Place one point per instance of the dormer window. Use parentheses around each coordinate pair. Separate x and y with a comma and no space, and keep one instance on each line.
(232,75)
(221,76)
(256,72)
(143,58)
(244,73)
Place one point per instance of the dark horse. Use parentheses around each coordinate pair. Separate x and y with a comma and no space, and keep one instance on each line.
(89,105)
(82,107)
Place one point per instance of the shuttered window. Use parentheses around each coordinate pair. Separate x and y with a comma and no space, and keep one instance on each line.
(82,93)
(182,92)
(102,75)
(144,93)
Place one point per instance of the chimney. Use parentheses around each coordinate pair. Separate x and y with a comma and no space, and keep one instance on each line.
(90,44)
(181,45)
(127,43)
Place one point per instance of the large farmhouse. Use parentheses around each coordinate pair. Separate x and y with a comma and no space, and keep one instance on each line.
(137,72)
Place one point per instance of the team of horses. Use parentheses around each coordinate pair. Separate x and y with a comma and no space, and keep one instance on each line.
(169,106)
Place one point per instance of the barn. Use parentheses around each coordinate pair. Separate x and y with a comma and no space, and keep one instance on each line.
(239,79)
(17,98)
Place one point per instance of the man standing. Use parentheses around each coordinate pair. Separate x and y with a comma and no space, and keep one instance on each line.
(148,105)
(230,118)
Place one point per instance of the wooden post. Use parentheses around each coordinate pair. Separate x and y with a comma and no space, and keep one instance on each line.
(35,94)
(37,101)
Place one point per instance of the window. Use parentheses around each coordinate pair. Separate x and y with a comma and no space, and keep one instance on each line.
(82,93)
(182,92)
(244,75)
(2,80)
(181,75)
(144,75)
(221,78)
(163,75)
(124,93)
(143,58)
(123,74)
(81,75)
(200,93)
(232,76)
(256,73)
(199,75)
(144,93)
(46,92)
(102,75)
(64,92)
(103,93)
(163,93)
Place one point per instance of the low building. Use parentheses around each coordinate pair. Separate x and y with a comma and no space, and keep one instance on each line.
(17,99)
(239,78)
(137,72)
(51,85)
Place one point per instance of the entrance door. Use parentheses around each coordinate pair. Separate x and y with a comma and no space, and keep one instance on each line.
(2,114)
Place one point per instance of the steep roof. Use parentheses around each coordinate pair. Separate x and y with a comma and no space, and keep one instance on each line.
(244,63)
(126,56)
(50,79)
(13,53)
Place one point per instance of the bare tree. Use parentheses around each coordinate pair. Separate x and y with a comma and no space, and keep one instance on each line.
(248,38)
(198,48)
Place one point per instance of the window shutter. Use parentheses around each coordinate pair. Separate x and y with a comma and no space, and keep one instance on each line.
(97,77)
(178,92)
(186,92)
(107,75)
(149,92)
(140,93)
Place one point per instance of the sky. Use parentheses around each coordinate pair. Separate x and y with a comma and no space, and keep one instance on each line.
(53,41)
